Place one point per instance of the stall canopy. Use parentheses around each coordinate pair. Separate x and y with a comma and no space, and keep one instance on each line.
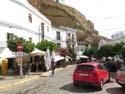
(37,52)
(82,56)
(58,58)
(6,53)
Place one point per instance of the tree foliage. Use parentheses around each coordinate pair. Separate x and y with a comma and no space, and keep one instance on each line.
(111,50)
(123,52)
(72,54)
(28,46)
(106,51)
(117,48)
(89,51)
(44,45)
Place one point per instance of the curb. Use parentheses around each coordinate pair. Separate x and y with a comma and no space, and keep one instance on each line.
(29,79)
(17,83)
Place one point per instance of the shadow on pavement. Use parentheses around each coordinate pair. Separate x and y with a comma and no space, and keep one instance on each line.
(116,90)
(79,89)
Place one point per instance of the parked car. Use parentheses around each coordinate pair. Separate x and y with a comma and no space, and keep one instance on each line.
(111,66)
(120,76)
(91,73)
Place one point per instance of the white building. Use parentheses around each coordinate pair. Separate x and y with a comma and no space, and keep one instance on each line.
(19,18)
(59,37)
(64,36)
(118,35)
(116,38)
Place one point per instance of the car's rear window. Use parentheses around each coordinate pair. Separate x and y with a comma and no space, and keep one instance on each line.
(85,67)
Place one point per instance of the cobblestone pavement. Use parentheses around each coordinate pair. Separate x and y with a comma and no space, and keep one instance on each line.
(61,83)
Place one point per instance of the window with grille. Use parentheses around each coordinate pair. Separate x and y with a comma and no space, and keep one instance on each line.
(10,36)
(58,35)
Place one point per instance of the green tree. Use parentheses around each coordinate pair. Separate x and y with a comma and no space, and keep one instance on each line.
(11,44)
(44,45)
(123,54)
(89,51)
(106,50)
(28,46)
(72,54)
(117,48)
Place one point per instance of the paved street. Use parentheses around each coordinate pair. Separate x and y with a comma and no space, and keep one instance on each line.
(61,83)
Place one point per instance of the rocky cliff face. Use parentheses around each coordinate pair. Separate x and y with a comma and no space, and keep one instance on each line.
(62,15)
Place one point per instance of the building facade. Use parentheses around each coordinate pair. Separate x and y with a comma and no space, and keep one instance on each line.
(19,18)
(64,36)
(116,38)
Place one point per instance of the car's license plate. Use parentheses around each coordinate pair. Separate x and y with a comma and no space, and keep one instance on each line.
(83,74)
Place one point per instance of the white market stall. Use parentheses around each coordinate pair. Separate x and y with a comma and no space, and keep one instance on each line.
(37,52)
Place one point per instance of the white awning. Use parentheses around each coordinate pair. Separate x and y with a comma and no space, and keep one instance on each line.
(58,58)
(37,52)
(82,56)
(6,53)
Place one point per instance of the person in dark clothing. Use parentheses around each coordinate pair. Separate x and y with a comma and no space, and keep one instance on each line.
(53,66)
(118,64)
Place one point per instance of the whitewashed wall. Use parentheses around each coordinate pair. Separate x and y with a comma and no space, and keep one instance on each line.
(14,19)
(62,36)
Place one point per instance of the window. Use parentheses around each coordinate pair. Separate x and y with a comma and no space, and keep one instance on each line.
(85,67)
(42,30)
(102,67)
(10,36)
(30,18)
(58,45)
(58,35)
(68,35)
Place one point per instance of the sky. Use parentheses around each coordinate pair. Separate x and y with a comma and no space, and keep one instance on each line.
(108,16)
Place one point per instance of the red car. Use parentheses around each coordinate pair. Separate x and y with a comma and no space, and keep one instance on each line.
(120,76)
(91,73)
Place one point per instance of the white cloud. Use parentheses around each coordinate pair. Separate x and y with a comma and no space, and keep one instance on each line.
(108,16)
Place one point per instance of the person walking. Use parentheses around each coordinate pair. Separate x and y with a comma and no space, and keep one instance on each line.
(118,64)
(53,66)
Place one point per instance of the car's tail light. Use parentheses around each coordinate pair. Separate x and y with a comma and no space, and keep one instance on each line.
(94,74)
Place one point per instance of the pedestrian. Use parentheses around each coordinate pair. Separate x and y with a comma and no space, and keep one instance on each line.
(118,64)
(53,66)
